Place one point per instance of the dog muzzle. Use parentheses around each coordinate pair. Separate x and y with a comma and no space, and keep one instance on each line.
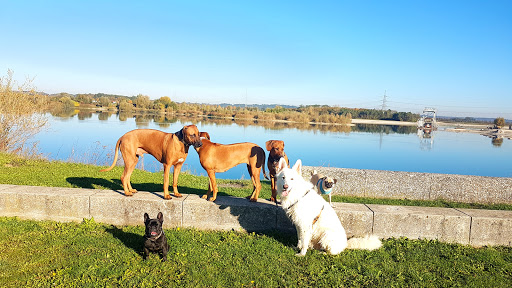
(320,185)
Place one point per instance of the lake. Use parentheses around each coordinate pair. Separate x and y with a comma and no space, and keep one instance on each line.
(88,137)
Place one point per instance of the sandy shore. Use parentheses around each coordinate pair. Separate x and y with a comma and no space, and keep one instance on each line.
(482,129)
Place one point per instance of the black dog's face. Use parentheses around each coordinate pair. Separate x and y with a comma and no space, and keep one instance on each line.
(153,226)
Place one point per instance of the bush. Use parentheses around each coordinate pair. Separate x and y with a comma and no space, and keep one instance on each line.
(500,121)
(21,113)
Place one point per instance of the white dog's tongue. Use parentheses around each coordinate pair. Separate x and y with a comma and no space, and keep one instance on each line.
(285,193)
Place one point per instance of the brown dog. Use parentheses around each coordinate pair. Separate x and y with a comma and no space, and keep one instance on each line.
(216,157)
(276,148)
(168,148)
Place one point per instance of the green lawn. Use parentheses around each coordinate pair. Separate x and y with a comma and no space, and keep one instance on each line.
(89,254)
(19,171)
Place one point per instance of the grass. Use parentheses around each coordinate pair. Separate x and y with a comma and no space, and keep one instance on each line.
(20,171)
(89,254)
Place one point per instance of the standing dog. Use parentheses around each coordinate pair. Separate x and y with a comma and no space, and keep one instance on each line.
(276,152)
(323,184)
(168,148)
(216,158)
(154,236)
(316,222)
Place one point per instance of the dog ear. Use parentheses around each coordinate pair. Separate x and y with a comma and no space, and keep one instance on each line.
(281,165)
(314,172)
(160,217)
(268,144)
(298,166)
(146,217)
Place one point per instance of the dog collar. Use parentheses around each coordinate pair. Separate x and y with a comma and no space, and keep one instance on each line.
(290,207)
(320,186)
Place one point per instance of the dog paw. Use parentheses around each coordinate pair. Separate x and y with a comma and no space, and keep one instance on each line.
(133,191)
(204,197)
(300,254)
(212,199)
(167,197)
(177,194)
(128,194)
(253,199)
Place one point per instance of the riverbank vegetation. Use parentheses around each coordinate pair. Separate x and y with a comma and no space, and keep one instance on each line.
(20,114)
(164,105)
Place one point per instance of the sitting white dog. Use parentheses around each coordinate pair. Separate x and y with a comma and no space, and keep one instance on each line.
(316,222)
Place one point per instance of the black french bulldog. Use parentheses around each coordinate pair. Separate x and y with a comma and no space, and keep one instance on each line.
(154,238)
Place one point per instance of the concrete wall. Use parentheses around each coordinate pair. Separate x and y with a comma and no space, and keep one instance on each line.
(466,226)
(417,186)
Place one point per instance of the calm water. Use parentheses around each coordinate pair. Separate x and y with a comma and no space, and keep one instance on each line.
(91,138)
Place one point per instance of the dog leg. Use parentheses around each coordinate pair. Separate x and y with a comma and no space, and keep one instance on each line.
(273,198)
(175,175)
(212,186)
(304,241)
(167,169)
(255,174)
(125,178)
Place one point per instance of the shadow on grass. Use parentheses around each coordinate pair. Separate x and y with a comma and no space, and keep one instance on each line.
(116,185)
(130,240)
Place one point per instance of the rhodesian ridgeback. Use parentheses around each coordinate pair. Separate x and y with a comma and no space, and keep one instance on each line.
(171,149)
(276,148)
(216,157)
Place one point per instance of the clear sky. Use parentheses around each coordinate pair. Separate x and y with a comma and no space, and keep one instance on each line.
(453,55)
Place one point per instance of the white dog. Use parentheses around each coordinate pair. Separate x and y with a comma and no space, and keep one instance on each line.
(316,222)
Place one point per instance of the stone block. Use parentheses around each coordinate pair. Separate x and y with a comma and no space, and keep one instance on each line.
(45,203)
(444,224)
(228,213)
(357,219)
(114,207)
(490,227)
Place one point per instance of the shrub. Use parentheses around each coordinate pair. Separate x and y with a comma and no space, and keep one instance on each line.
(21,113)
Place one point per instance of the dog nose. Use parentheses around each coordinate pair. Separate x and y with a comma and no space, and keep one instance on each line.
(285,187)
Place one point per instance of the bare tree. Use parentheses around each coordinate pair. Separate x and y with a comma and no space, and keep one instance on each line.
(21,113)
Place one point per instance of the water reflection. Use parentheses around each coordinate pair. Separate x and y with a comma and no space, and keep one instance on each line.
(426,138)
(143,120)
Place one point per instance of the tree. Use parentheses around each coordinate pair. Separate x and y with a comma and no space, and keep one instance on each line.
(142,101)
(499,122)
(21,113)
(166,101)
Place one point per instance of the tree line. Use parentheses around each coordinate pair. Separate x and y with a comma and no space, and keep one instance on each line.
(302,114)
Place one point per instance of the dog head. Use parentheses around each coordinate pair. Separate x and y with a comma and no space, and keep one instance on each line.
(323,183)
(288,178)
(204,135)
(153,226)
(190,136)
(276,148)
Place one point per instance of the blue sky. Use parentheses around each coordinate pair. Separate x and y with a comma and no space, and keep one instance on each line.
(452,55)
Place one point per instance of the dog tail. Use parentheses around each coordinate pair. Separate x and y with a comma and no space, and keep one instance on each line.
(367,243)
(115,157)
